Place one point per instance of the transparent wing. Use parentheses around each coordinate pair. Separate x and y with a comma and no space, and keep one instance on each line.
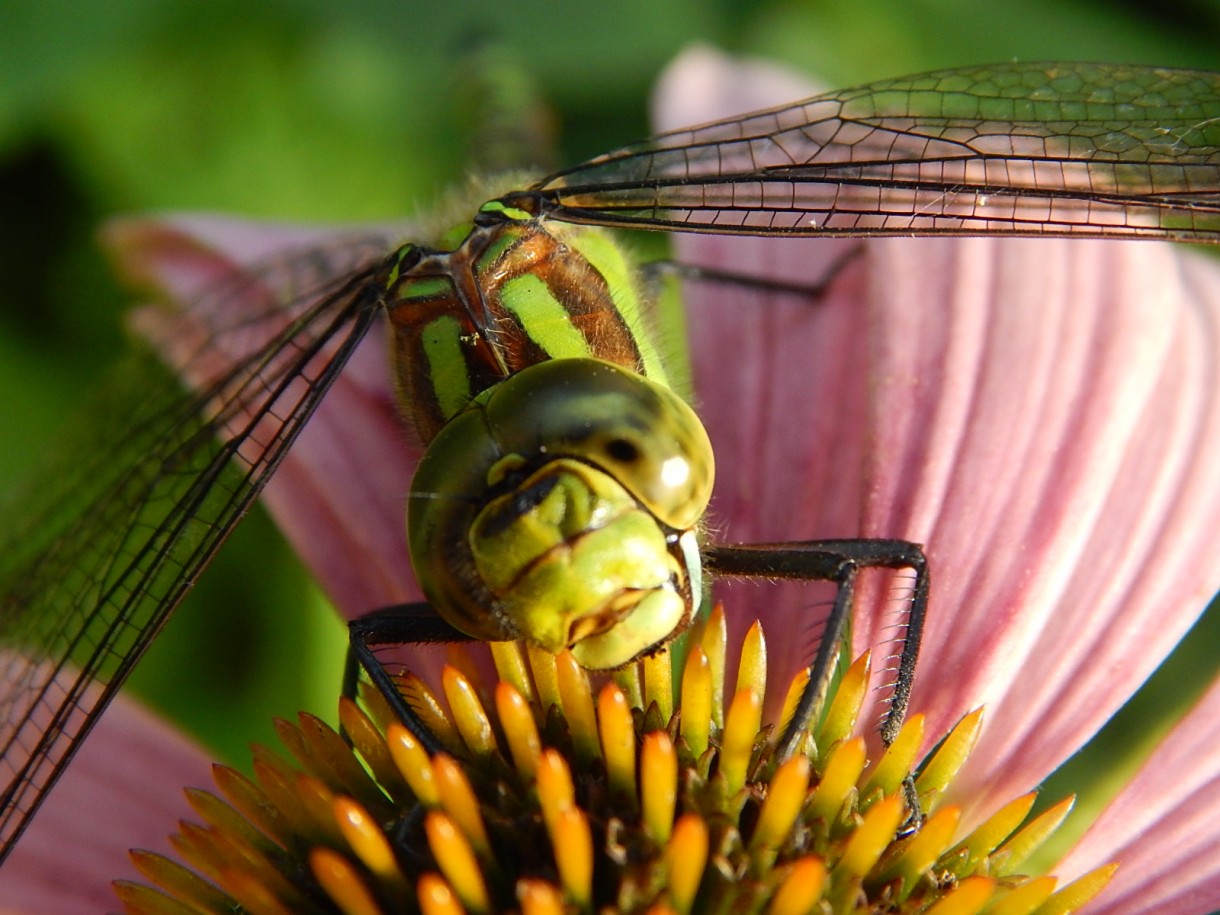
(1027,149)
(90,579)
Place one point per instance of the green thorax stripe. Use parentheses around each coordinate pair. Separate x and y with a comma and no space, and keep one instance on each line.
(511,295)
(560,291)
(447,372)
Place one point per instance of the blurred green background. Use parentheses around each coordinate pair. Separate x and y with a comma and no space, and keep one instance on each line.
(363,110)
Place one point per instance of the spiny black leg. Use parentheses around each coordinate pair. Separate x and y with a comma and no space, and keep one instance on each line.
(838,561)
(916,616)
(653,271)
(402,624)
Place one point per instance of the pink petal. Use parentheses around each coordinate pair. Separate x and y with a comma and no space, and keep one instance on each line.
(123,790)
(1055,455)
(1041,414)
(1162,826)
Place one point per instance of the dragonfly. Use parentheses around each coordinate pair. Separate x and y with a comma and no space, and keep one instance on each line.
(525,364)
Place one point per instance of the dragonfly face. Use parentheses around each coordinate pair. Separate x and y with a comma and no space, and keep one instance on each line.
(491,328)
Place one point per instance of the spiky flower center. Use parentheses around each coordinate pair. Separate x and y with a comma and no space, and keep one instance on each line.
(559,795)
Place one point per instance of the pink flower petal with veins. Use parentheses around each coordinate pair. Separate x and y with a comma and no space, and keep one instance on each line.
(122,791)
(1054,457)
(1162,826)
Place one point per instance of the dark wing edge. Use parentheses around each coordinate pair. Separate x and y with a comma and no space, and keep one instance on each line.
(82,604)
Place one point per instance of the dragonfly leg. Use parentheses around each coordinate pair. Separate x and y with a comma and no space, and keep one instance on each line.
(838,561)
(654,272)
(401,624)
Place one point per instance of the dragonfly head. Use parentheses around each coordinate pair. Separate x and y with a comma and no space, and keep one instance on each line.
(573,525)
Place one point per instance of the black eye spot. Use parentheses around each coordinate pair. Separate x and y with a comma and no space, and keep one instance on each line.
(622,450)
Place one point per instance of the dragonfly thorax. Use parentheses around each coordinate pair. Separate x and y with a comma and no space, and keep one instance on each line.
(513,293)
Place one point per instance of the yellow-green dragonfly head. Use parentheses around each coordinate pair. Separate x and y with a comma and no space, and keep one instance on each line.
(561,508)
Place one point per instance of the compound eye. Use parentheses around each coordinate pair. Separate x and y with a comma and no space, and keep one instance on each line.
(660,463)
(639,432)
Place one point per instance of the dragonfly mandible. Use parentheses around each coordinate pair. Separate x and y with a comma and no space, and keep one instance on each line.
(1020,149)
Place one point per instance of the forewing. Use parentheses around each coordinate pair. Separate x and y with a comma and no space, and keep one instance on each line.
(92,575)
(1028,149)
